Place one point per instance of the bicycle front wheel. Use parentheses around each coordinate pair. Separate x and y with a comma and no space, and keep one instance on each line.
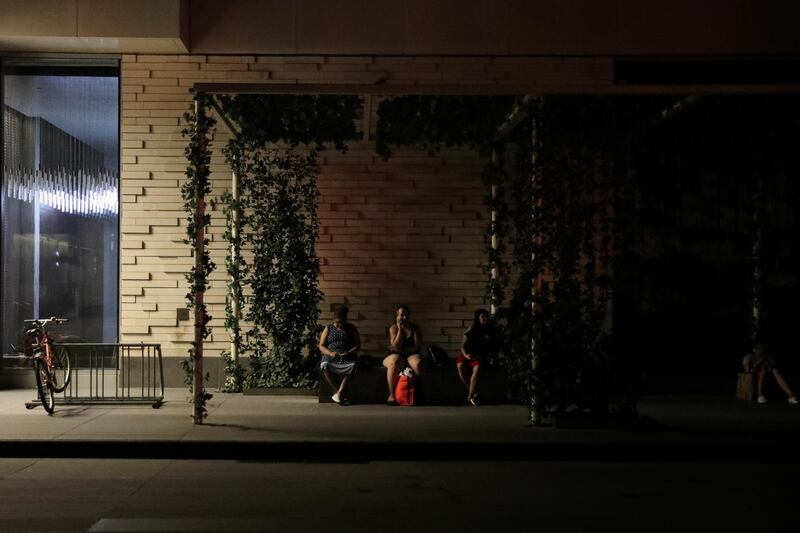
(46,394)
(62,369)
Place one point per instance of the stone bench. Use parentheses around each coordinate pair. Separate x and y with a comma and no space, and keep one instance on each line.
(439,386)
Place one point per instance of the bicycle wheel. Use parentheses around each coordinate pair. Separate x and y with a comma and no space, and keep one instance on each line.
(62,368)
(46,394)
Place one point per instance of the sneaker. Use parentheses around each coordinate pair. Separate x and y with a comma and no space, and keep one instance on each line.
(336,398)
(473,401)
(762,399)
(793,400)
(407,372)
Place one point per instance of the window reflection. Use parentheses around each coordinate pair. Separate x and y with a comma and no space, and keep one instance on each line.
(60,199)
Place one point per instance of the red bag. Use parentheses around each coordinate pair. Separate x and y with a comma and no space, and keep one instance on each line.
(404,392)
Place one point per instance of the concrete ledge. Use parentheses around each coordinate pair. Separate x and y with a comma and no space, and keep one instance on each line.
(279,391)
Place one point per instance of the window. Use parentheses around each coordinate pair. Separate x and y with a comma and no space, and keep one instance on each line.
(60,197)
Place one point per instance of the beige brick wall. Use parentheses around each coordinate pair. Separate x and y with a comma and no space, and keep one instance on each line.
(407,230)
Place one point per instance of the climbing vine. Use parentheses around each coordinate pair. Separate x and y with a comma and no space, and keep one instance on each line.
(495,179)
(555,225)
(194,190)
(275,219)
(437,121)
(234,209)
(282,227)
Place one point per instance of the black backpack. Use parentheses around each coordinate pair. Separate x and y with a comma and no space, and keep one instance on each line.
(437,356)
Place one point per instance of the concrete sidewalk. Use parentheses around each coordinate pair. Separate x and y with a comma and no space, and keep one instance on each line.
(300,428)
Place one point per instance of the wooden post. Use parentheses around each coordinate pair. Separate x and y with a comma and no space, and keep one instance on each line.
(199,273)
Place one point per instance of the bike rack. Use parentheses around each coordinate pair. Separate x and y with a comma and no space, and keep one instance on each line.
(111,373)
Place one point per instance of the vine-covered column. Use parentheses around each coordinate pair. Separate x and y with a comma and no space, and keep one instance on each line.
(496,267)
(534,392)
(194,191)
(758,208)
(234,203)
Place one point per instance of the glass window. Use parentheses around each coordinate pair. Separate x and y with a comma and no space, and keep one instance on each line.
(60,198)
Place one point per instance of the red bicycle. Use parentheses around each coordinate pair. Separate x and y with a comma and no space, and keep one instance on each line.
(51,363)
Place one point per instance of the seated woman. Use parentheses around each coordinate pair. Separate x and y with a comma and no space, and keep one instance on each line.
(477,345)
(761,363)
(339,344)
(405,341)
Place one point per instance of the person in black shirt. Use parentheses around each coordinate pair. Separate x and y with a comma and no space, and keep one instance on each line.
(477,345)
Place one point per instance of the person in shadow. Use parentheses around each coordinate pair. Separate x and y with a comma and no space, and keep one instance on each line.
(478,345)
(760,363)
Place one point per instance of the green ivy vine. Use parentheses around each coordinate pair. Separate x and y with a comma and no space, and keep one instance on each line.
(556,210)
(495,178)
(237,268)
(194,190)
(274,155)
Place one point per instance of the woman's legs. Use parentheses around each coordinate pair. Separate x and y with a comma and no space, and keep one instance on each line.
(393,364)
(762,374)
(473,382)
(343,386)
(415,362)
(329,377)
(782,383)
(462,375)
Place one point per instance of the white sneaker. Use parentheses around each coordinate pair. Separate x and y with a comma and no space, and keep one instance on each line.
(336,398)
(762,399)
(793,400)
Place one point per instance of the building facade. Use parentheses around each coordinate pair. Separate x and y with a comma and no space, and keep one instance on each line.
(410,229)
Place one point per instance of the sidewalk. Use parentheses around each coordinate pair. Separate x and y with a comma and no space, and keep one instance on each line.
(299,428)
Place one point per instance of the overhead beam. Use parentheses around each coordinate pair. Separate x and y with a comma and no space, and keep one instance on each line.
(390,89)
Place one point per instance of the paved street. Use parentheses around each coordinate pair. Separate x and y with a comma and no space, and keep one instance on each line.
(268,463)
(564,496)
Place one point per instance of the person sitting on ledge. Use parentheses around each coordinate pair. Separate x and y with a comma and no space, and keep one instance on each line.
(405,342)
(339,344)
(759,363)
(478,344)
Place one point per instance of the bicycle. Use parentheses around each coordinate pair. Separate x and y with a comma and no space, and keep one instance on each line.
(51,363)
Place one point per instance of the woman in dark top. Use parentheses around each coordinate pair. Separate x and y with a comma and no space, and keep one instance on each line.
(405,341)
(339,344)
(477,345)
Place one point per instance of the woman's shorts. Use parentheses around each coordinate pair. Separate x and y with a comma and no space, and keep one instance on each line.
(461,360)
(334,365)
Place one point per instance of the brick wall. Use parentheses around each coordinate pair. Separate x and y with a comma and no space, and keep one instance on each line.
(406,230)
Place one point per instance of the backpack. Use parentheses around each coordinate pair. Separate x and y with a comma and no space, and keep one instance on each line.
(437,356)
(405,391)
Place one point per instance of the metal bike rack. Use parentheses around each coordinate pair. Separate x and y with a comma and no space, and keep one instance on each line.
(107,373)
